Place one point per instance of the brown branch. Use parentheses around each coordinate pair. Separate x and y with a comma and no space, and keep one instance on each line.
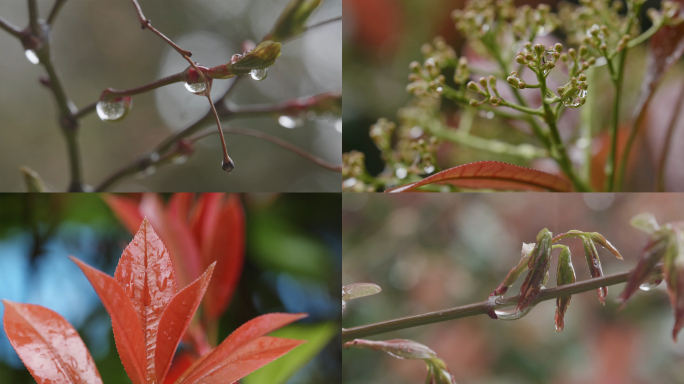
(146,23)
(55,11)
(10,28)
(277,141)
(676,111)
(33,17)
(480,308)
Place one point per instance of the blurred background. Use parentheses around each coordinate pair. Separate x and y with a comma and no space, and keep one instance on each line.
(435,252)
(292,264)
(382,37)
(97,45)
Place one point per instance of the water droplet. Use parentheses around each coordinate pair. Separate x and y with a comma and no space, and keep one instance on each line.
(290,121)
(236,57)
(32,57)
(154,157)
(490,115)
(349,183)
(548,57)
(576,100)
(338,125)
(180,159)
(416,132)
(259,74)
(649,286)
(401,173)
(113,110)
(508,312)
(196,88)
(228,166)
(429,169)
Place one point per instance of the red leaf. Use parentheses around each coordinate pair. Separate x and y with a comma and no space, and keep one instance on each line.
(126,210)
(146,274)
(493,175)
(177,237)
(246,360)
(203,218)
(181,362)
(226,245)
(129,339)
(175,320)
(48,345)
(245,334)
(180,205)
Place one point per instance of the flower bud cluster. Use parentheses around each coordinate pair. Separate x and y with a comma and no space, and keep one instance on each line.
(669,14)
(353,170)
(539,58)
(381,134)
(482,87)
(426,80)
(443,54)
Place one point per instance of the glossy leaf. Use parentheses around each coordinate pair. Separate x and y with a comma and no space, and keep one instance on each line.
(48,345)
(175,320)
(177,238)
(146,274)
(247,359)
(538,265)
(317,336)
(128,337)
(493,175)
(245,334)
(651,255)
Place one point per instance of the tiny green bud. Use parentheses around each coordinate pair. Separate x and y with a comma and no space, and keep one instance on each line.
(558,47)
(582,77)
(483,82)
(473,86)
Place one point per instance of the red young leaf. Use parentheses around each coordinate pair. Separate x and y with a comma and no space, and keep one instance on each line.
(182,360)
(48,345)
(493,175)
(226,246)
(129,339)
(247,359)
(146,274)
(126,209)
(177,237)
(176,319)
(246,333)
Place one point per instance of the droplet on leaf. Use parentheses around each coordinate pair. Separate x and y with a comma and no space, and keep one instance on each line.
(259,74)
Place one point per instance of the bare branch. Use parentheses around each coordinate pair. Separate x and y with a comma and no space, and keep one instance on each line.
(277,141)
(33,17)
(480,308)
(10,28)
(55,11)
(145,23)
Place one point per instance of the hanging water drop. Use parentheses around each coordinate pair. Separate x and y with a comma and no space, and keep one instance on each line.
(577,99)
(401,173)
(113,110)
(508,311)
(196,88)
(182,159)
(290,122)
(259,74)
(32,57)
(649,286)
(228,166)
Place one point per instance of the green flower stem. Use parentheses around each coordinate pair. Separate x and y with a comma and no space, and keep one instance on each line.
(460,98)
(521,108)
(524,151)
(558,148)
(644,36)
(480,308)
(586,131)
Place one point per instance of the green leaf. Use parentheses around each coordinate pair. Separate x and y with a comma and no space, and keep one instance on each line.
(292,21)
(281,370)
(263,56)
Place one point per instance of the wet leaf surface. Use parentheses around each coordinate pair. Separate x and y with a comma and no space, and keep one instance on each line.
(48,345)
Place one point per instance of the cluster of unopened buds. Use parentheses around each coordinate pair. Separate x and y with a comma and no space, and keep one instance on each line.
(353,170)
(426,79)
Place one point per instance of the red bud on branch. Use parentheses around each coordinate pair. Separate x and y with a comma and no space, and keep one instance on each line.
(538,265)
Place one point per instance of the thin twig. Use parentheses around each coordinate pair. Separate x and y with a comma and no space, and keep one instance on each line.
(33,17)
(676,111)
(480,308)
(146,23)
(55,11)
(10,28)
(275,140)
